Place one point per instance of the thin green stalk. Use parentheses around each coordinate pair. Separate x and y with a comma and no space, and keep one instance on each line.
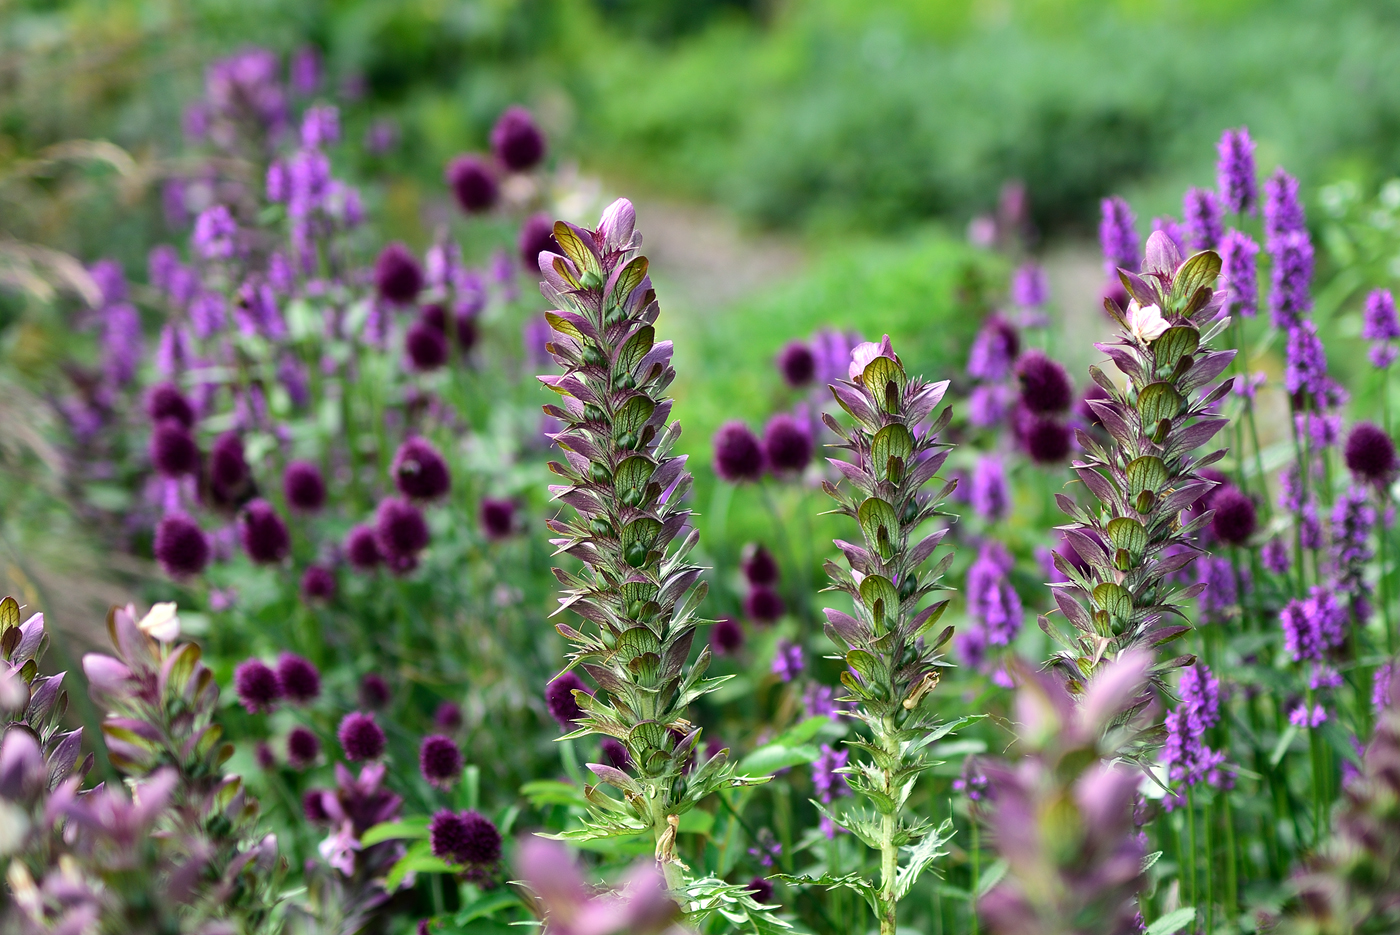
(1231,871)
(1210,870)
(1315,754)
(976,872)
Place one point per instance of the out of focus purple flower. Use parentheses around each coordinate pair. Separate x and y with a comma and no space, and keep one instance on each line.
(300,681)
(181,546)
(440,761)
(832,350)
(1380,686)
(382,136)
(320,126)
(516,140)
(1047,440)
(1030,288)
(787,444)
(497,517)
(1290,297)
(173,449)
(1275,556)
(362,548)
(797,364)
(536,237)
(1118,237)
(1302,716)
(448,716)
(1370,453)
(991,600)
(1045,386)
(1314,626)
(763,604)
(216,234)
(361,738)
(305,70)
(827,783)
(1283,212)
(991,496)
(559,699)
(994,350)
(1353,519)
(257,686)
(264,534)
(1220,594)
(535,335)
(473,182)
(1239,258)
(738,454)
(820,701)
(1306,361)
(788,661)
(989,403)
(1200,212)
(1234,172)
(374,691)
(726,636)
(640,907)
(1381,327)
(121,343)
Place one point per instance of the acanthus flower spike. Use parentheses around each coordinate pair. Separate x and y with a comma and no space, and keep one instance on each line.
(892,666)
(637,594)
(1130,535)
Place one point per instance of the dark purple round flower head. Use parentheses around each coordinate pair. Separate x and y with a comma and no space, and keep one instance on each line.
(265,537)
(1235,518)
(464,838)
(468,334)
(448,716)
(1045,386)
(313,806)
(303,486)
(536,237)
(173,451)
(1047,441)
(397,276)
(362,549)
(299,679)
(400,529)
(763,604)
(181,546)
(787,444)
(516,141)
(439,760)
(374,691)
(420,471)
(761,890)
(615,752)
(425,346)
(497,517)
(473,183)
(229,475)
(1370,453)
(797,363)
(360,737)
(758,566)
(559,698)
(303,748)
(257,685)
(726,636)
(738,454)
(167,402)
(265,757)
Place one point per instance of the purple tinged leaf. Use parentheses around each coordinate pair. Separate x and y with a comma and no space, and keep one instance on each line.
(1074,612)
(1163,635)
(1100,486)
(1112,690)
(849,628)
(853,474)
(1196,435)
(1125,361)
(1205,369)
(614,777)
(1161,256)
(1087,548)
(917,408)
(919,553)
(854,402)
(64,756)
(106,674)
(615,227)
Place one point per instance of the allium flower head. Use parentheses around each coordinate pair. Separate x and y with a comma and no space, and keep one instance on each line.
(229,474)
(400,529)
(303,486)
(536,237)
(165,401)
(257,686)
(420,471)
(473,183)
(758,565)
(264,534)
(464,838)
(797,364)
(994,350)
(516,141)
(497,515)
(303,748)
(764,605)
(439,760)
(397,276)
(374,691)
(361,738)
(300,681)
(787,444)
(1118,237)
(1030,288)
(1234,173)
(181,546)
(173,449)
(1370,453)
(1239,268)
(1200,210)
(615,752)
(1047,440)
(738,453)
(726,636)
(425,346)
(362,548)
(1235,517)
(448,716)
(1045,387)
(559,698)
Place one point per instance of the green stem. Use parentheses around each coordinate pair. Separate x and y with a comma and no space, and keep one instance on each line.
(1191,847)
(889,850)
(1232,883)
(1210,874)
(976,871)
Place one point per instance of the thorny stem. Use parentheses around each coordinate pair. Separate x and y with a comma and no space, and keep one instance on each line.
(889,851)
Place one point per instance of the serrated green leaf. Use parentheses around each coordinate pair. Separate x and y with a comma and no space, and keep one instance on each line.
(1173,922)
(922,856)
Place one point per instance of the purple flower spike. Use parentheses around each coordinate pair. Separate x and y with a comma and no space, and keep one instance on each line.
(991,600)
(419,470)
(397,275)
(1234,172)
(303,486)
(994,350)
(1290,295)
(788,662)
(257,686)
(216,234)
(1239,267)
(1029,286)
(516,141)
(1283,212)
(797,364)
(1275,556)
(1305,367)
(1381,327)
(473,183)
(264,534)
(738,454)
(991,497)
(181,546)
(303,748)
(300,681)
(1200,210)
(1118,236)
(787,445)
(559,698)
(360,737)
(440,761)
